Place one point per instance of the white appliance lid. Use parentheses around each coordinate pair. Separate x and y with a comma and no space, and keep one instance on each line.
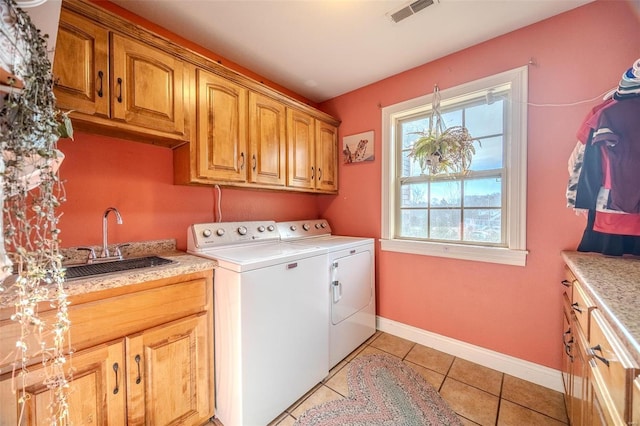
(247,257)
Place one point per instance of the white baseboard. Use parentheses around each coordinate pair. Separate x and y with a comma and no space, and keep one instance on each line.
(526,370)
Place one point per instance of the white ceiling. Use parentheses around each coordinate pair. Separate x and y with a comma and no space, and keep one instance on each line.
(324,48)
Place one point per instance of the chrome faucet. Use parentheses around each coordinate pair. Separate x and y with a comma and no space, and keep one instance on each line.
(105,226)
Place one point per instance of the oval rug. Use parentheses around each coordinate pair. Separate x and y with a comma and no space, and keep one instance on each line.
(383,391)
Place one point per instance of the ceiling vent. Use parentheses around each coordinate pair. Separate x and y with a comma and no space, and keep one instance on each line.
(410,9)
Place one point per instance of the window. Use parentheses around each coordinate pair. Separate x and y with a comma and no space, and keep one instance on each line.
(477,216)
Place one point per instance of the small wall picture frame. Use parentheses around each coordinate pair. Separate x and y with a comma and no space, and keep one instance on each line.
(358,148)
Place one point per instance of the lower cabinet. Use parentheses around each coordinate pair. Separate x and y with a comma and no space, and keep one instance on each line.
(97,393)
(598,372)
(155,369)
(167,374)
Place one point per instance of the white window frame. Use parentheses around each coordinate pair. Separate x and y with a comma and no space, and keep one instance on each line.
(515,252)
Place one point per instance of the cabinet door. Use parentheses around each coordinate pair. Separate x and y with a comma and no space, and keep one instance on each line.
(635,402)
(147,86)
(222,126)
(268,146)
(301,146)
(80,66)
(581,385)
(96,394)
(326,157)
(169,379)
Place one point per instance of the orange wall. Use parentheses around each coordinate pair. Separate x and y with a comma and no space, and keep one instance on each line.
(513,310)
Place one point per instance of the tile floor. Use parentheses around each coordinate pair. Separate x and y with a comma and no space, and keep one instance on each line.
(479,395)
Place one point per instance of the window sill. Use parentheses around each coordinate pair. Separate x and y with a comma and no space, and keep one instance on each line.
(457,251)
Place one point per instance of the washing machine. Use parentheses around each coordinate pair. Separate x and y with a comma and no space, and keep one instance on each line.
(271,339)
(350,282)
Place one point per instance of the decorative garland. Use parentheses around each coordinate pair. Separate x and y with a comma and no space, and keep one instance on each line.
(30,126)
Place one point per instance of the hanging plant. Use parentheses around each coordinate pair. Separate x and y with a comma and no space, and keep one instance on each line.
(31,266)
(441,150)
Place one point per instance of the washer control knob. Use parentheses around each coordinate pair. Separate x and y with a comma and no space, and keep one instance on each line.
(261,228)
(317,226)
(206,233)
(270,228)
(293,227)
(219,232)
(242,230)
(323,225)
(306,227)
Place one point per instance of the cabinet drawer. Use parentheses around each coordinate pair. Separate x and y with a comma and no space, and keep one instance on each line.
(114,317)
(611,365)
(581,306)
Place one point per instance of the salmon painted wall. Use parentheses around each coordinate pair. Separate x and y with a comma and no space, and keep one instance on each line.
(513,310)
(137,179)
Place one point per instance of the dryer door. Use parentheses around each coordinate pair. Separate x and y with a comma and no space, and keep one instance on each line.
(351,288)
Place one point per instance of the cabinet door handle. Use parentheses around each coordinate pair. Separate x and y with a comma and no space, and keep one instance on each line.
(566,283)
(139,378)
(598,348)
(313,173)
(115,370)
(120,90)
(319,174)
(255,162)
(242,164)
(100,76)
(576,307)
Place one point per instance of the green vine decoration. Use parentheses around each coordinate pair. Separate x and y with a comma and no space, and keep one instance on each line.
(30,126)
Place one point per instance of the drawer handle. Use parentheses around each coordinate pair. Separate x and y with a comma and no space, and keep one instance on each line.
(100,76)
(601,358)
(120,92)
(255,163)
(576,307)
(242,164)
(319,174)
(115,370)
(313,173)
(566,283)
(138,379)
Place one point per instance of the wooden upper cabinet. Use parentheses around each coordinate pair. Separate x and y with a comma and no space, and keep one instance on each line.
(147,85)
(313,152)
(301,147)
(117,85)
(81,66)
(222,129)
(267,139)
(326,156)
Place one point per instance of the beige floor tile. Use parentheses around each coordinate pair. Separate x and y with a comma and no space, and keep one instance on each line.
(392,344)
(467,422)
(473,374)
(321,395)
(433,378)
(279,419)
(302,398)
(339,382)
(287,421)
(472,403)
(535,397)
(430,358)
(370,350)
(516,415)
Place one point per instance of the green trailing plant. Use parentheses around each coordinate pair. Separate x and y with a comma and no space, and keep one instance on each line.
(30,126)
(450,151)
(441,150)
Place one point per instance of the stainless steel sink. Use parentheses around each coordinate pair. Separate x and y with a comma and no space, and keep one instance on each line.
(89,270)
